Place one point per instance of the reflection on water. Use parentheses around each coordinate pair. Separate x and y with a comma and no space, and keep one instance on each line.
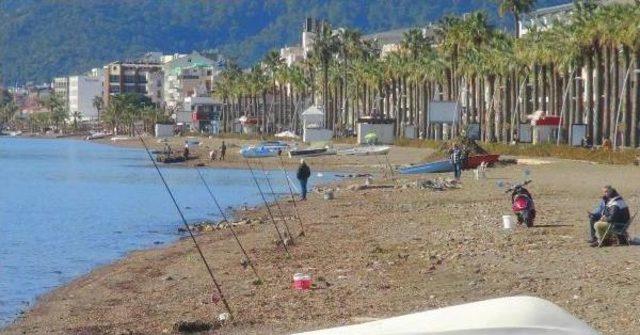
(67,206)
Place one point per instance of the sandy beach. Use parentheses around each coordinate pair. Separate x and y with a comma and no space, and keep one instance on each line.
(372,252)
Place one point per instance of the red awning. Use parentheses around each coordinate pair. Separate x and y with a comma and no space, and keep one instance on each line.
(548,121)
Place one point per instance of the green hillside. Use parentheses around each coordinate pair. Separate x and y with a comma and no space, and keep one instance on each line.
(40,39)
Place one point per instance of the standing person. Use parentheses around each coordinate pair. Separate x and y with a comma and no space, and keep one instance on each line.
(223,150)
(185,153)
(303,176)
(456,160)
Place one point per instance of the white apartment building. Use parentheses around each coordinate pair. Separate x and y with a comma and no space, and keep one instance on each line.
(187,76)
(61,88)
(82,92)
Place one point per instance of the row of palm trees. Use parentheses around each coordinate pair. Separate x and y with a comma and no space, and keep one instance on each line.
(582,69)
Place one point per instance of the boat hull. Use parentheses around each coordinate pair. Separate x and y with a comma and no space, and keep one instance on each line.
(432,167)
(258,152)
(311,152)
(365,151)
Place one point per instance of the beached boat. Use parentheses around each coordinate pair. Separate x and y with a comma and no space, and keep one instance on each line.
(311,152)
(121,138)
(432,167)
(273,145)
(366,150)
(164,158)
(446,166)
(475,161)
(96,135)
(521,315)
(258,152)
(15,133)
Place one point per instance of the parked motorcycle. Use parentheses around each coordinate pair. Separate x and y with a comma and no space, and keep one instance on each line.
(522,203)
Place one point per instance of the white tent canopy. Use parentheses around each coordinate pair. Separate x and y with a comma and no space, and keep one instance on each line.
(512,315)
(313,110)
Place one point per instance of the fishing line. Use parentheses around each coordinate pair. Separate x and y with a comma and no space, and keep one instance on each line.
(275,225)
(233,231)
(293,199)
(275,200)
(184,221)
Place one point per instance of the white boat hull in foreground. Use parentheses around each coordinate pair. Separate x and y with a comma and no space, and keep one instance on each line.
(512,315)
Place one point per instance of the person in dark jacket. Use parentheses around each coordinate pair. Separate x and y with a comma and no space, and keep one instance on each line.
(223,151)
(456,159)
(303,176)
(614,218)
(596,215)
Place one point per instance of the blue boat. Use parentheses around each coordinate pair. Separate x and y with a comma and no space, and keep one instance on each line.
(432,167)
(258,152)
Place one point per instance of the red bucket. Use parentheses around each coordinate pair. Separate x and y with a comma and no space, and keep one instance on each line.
(301,281)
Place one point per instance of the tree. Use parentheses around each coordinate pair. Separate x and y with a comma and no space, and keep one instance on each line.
(517,8)
(98,104)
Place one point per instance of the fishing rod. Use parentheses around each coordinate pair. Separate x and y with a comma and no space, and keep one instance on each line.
(233,231)
(293,199)
(275,225)
(275,200)
(184,221)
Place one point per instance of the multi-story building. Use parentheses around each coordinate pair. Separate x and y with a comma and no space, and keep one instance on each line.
(186,76)
(142,77)
(82,92)
(61,88)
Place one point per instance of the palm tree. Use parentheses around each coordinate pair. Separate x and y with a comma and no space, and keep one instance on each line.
(98,104)
(325,45)
(517,8)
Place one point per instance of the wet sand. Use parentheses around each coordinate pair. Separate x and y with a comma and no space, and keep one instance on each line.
(373,253)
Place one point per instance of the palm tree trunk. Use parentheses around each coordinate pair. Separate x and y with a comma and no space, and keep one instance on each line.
(606,111)
(626,103)
(598,107)
(616,99)
(545,88)
(635,110)
(590,97)
(536,87)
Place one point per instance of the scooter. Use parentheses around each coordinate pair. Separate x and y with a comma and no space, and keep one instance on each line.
(522,203)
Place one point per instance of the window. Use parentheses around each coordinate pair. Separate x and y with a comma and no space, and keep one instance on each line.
(114,79)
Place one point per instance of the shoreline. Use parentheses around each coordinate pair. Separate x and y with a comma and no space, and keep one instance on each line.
(372,252)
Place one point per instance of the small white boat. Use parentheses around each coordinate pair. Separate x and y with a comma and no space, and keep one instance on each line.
(121,138)
(512,315)
(96,135)
(366,150)
(258,151)
(15,133)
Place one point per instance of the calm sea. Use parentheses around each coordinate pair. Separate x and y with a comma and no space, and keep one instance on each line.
(67,206)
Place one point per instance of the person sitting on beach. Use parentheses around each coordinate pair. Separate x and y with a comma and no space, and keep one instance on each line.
(614,218)
(596,215)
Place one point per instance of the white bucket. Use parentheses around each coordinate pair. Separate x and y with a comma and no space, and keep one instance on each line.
(507,221)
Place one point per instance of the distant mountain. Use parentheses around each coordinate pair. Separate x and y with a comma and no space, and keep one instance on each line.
(40,39)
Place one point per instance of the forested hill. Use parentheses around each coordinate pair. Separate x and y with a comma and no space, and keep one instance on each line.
(40,39)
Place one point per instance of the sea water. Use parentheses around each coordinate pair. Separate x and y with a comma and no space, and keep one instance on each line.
(67,206)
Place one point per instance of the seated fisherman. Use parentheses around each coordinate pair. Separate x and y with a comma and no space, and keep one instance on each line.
(614,218)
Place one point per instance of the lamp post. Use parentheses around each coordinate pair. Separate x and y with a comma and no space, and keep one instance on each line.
(624,86)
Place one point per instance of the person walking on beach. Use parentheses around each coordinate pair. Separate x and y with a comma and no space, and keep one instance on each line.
(456,159)
(223,150)
(303,176)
